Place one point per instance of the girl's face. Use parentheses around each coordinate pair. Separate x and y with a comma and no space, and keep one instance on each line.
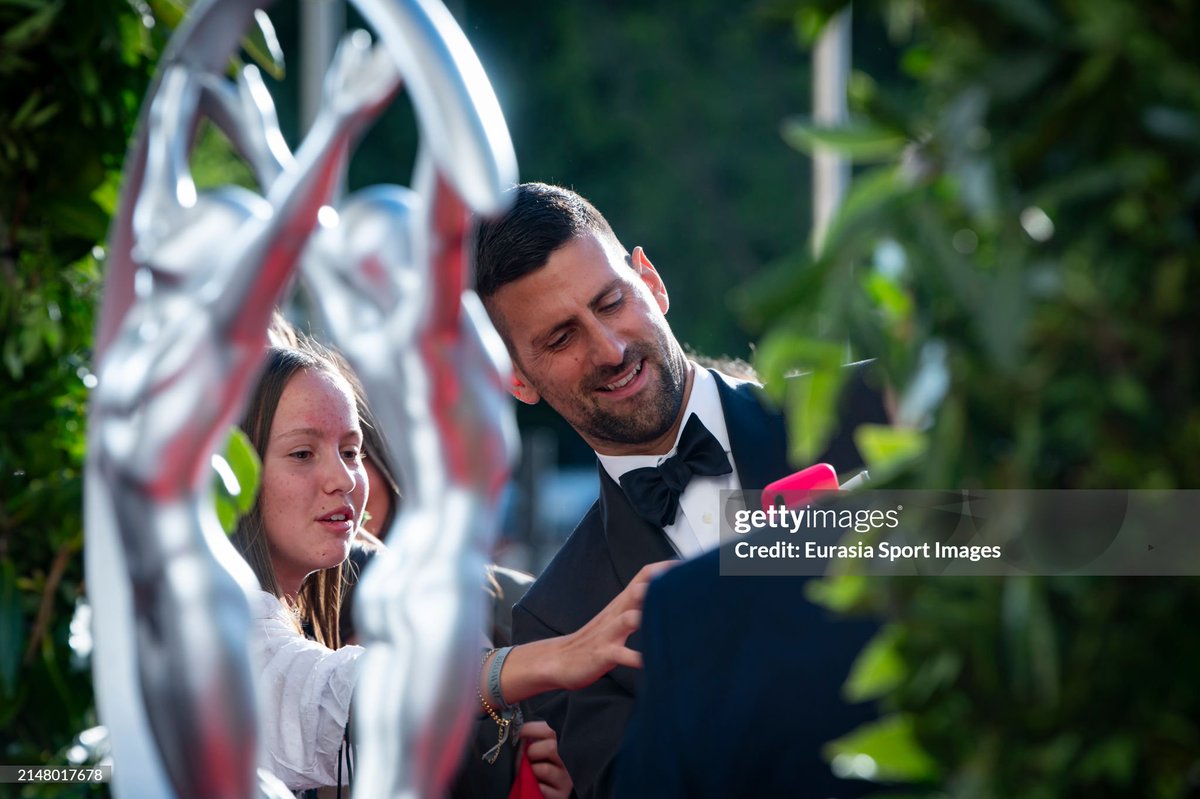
(314,487)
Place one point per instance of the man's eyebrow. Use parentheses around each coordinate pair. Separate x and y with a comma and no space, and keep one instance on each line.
(598,300)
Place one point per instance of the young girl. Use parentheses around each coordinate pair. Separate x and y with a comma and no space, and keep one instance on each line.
(302,420)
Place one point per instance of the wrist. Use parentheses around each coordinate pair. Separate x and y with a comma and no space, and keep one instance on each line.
(554,662)
(532,669)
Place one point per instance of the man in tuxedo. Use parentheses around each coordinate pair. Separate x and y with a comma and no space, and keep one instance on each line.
(584,321)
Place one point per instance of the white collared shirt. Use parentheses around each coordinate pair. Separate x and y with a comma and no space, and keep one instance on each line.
(696,528)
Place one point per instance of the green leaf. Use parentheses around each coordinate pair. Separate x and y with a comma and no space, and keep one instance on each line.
(247,468)
(43,115)
(810,19)
(886,449)
(858,141)
(792,284)
(169,12)
(26,109)
(786,351)
(235,479)
(806,375)
(811,401)
(80,216)
(878,669)
(870,195)
(891,745)
(33,27)
(894,302)
(840,593)
(227,514)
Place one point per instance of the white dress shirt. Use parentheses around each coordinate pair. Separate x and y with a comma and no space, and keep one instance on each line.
(696,528)
(304,692)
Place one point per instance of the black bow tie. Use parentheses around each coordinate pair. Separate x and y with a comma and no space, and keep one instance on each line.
(654,490)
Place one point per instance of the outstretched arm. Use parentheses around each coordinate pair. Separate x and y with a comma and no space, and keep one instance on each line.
(578,659)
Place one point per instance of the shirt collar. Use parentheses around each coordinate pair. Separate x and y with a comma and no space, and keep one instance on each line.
(704,401)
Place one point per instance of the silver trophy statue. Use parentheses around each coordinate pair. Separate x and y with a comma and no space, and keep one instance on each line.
(435,372)
(389,275)
(193,278)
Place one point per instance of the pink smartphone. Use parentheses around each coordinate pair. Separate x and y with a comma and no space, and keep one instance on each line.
(795,489)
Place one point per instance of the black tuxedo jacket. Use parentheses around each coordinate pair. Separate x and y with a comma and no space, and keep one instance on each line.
(741,690)
(612,543)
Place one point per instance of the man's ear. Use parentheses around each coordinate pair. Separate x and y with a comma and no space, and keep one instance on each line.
(649,275)
(521,389)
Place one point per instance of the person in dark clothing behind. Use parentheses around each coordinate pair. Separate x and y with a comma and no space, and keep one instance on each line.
(737,671)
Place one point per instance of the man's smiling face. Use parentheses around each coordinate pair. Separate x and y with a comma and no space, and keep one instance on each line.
(588,334)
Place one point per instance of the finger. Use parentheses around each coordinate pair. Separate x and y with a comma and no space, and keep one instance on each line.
(633,594)
(652,570)
(628,657)
(637,588)
(536,730)
(543,750)
(631,620)
(554,775)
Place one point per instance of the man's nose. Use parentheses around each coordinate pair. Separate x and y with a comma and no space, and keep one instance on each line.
(608,346)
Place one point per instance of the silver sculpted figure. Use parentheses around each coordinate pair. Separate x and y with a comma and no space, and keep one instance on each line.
(192,282)
(389,274)
(435,371)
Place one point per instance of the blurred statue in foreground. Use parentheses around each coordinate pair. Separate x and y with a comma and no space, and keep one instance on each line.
(388,272)
(192,280)
(388,276)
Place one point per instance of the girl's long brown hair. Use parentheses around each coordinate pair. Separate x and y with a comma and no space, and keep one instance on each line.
(320,597)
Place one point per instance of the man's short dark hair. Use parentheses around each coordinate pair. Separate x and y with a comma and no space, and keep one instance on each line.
(542,219)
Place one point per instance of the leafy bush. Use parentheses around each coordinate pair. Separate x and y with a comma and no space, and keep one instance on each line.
(72,75)
(1019,257)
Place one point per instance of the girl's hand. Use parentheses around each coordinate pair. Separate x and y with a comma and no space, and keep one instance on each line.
(542,750)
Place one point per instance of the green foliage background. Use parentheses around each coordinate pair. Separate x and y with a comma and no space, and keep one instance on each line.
(1024,229)
(72,76)
(1069,360)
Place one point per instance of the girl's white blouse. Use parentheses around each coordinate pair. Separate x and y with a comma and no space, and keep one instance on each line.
(304,692)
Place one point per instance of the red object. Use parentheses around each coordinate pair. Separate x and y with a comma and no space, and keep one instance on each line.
(796,489)
(525,786)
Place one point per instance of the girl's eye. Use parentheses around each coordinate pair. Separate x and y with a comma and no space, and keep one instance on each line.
(350,454)
(300,455)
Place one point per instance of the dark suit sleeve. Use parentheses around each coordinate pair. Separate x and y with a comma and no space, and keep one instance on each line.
(743,694)
(650,762)
(589,722)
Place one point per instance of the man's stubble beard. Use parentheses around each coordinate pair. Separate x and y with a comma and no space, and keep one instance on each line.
(654,415)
